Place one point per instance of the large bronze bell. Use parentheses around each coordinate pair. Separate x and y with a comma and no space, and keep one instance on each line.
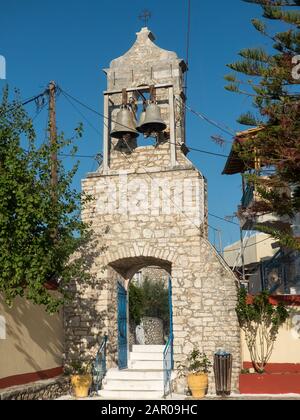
(153,121)
(125,124)
(141,121)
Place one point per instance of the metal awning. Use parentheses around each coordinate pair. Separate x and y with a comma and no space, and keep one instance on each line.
(235,164)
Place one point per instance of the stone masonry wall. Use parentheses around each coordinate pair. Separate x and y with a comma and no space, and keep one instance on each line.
(149,212)
(154,331)
(204,288)
(50,389)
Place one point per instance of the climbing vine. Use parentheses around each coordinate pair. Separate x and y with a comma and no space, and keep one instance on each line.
(260,321)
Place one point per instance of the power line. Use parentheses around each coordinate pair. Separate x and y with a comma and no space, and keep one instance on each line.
(222,218)
(188,45)
(84,105)
(207,152)
(105,117)
(214,228)
(248,246)
(82,115)
(26,101)
(67,95)
(225,129)
(190,148)
(163,192)
(80,156)
(39,111)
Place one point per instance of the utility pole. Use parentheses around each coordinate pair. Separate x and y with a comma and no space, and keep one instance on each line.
(53,139)
(53,144)
(243,256)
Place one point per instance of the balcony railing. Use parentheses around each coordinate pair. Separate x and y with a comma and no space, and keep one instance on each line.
(99,366)
(168,366)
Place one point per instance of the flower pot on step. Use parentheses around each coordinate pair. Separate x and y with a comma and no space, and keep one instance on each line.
(81,385)
(198,384)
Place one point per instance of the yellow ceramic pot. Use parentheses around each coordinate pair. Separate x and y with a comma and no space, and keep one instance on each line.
(81,385)
(198,384)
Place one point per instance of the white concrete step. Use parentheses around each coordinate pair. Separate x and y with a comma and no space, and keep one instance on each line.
(133,385)
(145,356)
(131,374)
(148,349)
(130,395)
(145,364)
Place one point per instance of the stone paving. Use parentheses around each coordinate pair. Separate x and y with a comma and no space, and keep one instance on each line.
(233,397)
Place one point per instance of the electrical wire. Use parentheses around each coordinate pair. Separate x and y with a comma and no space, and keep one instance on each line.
(163,192)
(82,115)
(190,148)
(188,38)
(68,97)
(94,157)
(225,129)
(222,218)
(103,116)
(256,243)
(26,101)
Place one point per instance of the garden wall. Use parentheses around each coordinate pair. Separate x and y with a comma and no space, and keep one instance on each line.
(283,370)
(287,345)
(31,343)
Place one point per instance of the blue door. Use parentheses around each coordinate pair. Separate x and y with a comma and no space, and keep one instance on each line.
(122,327)
(171,320)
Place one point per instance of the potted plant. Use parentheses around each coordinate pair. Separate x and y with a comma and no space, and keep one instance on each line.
(197,369)
(81,378)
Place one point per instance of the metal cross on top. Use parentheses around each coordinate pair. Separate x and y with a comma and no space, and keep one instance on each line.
(145,16)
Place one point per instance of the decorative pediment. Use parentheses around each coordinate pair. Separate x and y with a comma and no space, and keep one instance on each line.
(144,51)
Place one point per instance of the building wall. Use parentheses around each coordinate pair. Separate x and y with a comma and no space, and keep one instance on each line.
(31,343)
(296,225)
(257,247)
(204,288)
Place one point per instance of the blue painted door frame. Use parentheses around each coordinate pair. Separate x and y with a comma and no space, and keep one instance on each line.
(171,321)
(123,324)
(122,327)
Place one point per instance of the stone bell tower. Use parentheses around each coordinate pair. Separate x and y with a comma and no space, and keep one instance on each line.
(149,209)
(143,66)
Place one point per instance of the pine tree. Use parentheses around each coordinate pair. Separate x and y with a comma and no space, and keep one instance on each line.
(272,77)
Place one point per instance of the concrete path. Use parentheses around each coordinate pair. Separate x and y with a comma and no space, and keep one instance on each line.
(176,397)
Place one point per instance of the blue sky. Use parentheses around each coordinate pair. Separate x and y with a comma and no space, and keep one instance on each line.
(72,41)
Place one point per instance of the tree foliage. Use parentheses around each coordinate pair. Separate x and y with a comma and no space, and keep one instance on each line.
(267,76)
(260,322)
(30,256)
(150,299)
(136,303)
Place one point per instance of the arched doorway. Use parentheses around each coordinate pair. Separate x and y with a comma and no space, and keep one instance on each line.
(150,323)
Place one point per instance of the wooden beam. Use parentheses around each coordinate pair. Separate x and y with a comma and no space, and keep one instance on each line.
(173,156)
(106,135)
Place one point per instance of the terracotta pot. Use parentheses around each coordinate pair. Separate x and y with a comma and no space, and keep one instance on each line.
(198,384)
(81,385)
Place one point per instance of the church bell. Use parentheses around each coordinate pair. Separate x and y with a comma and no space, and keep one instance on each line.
(125,124)
(151,120)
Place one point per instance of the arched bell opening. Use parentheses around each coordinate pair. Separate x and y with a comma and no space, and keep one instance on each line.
(140,120)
